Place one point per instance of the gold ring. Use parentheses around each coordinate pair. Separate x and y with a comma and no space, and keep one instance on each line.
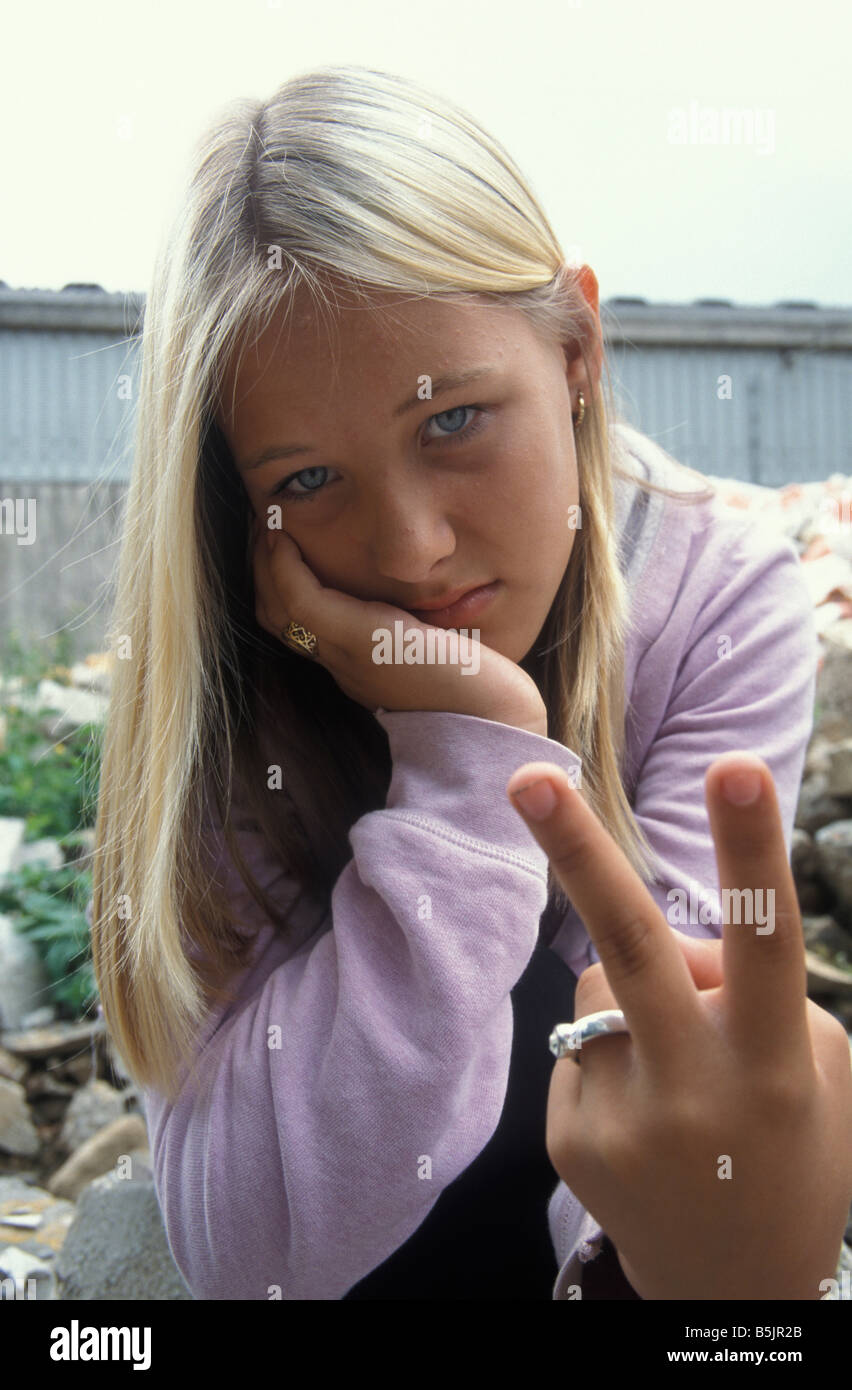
(297,636)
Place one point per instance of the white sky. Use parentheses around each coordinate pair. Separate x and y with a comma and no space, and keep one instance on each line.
(100,105)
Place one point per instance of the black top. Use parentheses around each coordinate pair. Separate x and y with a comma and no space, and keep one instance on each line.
(487,1236)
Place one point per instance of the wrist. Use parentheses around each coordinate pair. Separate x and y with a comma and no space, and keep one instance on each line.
(532,719)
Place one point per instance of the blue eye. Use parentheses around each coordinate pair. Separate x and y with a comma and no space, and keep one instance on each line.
(298,496)
(457,410)
(471,428)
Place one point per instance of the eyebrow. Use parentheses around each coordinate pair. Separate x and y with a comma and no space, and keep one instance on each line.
(448,382)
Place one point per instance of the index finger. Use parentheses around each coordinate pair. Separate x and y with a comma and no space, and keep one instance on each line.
(644,967)
(282,575)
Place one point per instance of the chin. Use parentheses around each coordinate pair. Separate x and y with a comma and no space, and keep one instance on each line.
(513,651)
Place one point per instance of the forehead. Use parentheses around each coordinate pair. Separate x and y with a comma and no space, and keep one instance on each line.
(355,344)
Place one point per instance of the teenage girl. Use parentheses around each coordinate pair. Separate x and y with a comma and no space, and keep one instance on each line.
(330,948)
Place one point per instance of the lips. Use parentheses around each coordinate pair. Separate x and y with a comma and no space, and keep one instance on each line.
(471,605)
(445,600)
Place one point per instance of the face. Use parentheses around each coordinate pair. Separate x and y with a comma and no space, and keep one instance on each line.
(396,497)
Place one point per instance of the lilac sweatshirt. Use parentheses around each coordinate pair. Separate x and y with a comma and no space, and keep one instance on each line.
(360,1048)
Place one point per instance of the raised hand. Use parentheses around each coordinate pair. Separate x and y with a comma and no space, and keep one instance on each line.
(713,1143)
(286,588)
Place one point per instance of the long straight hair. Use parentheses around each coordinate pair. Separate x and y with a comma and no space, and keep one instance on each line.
(344,176)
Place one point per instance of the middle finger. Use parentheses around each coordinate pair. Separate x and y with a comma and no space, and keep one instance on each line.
(764,950)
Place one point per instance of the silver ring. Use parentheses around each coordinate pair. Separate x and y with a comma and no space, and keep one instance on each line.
(567,1038)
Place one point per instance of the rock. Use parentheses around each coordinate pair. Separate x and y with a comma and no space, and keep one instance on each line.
(814,897)
(25,1275)
(817,807)
(48,1097)
(98,1155)
(55,1041)
(833,719)
(23,979)
(824,935)
(39,1018)
(48,1112)
(824,978)
(142,1162)
(65,708)
(93,674)
(78,1069)
(12,829)
(53,1216)
(117,1246)
(834,846)
(33,1226)
(93,1107)
(817,756)
(839,780)
(45,1083)
(18,1134)
(12,1067)
(47,852)
(839,633)
(804,860)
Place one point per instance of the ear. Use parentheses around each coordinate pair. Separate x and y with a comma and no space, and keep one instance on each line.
(576,373)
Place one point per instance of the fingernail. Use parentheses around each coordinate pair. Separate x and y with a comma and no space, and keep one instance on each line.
(536,799)
(741,788)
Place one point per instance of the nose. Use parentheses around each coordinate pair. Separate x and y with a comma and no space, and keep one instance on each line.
(408,534)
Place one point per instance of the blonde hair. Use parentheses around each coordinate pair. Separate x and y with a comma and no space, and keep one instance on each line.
(366,179)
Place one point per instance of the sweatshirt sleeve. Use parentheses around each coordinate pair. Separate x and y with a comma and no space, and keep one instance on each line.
(738,658)
(353,1079)
(746,682)
(741,678)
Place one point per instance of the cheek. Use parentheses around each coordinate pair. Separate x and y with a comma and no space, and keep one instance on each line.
(545,533)
(332,566)
(536,472)
(313,551)
(329,575)
(541,511)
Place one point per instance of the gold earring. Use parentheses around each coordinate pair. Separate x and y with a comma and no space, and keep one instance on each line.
(582,404)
